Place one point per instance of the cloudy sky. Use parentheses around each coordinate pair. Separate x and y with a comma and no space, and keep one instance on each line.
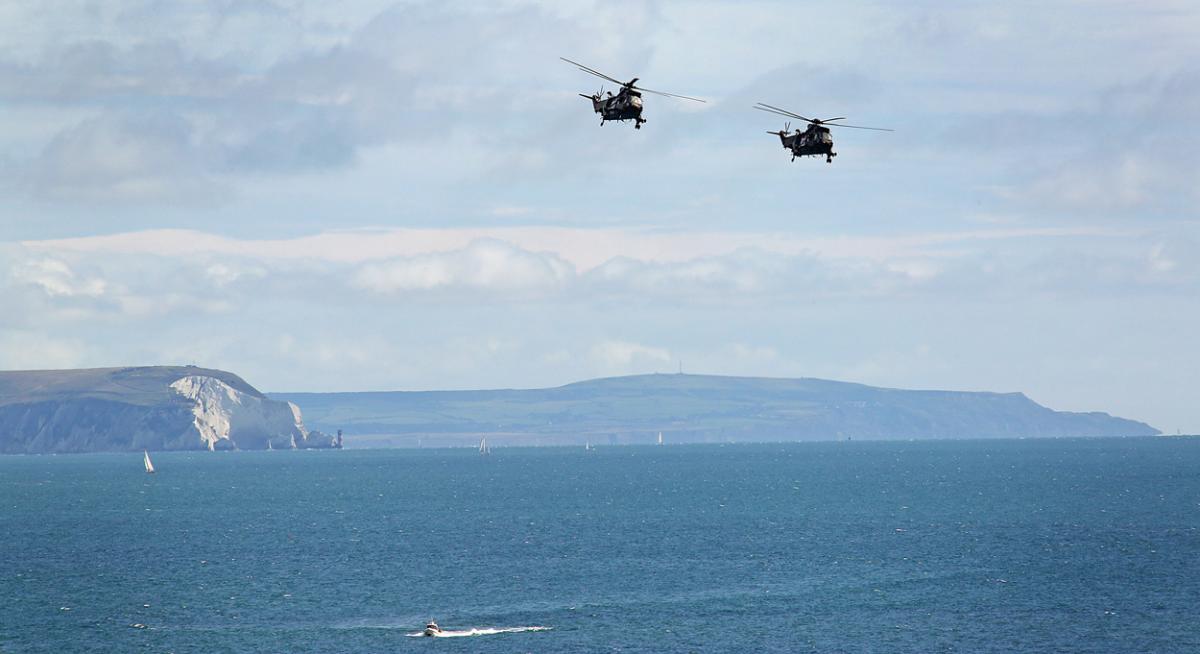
(410,195)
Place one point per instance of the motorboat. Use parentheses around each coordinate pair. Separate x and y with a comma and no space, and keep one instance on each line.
(432,629)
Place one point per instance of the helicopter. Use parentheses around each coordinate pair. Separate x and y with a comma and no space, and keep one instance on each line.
(813,141)
(626,104)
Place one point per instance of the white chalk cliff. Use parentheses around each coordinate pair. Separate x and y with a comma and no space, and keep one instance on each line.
(226,418)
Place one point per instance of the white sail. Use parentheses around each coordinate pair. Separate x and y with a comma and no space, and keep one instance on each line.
(484,448)
(660,438)
(146,460)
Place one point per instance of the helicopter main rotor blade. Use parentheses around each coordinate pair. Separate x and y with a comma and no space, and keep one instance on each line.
(761,106)
(784,112)
(593,71)
(877,129)
(669,95)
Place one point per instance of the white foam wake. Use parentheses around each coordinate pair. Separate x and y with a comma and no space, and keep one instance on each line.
(487,631)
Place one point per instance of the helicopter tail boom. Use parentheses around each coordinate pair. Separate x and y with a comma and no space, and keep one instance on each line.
(595,101)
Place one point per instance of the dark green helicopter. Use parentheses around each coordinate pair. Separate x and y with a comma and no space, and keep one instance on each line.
(813,141)
(626,104)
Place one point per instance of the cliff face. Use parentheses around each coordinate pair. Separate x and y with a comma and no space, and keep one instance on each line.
(156,408)
(226,418)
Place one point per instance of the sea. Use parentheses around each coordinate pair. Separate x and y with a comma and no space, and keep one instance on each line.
(924,546)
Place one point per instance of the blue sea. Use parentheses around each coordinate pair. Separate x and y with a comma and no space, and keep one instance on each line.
(963,546)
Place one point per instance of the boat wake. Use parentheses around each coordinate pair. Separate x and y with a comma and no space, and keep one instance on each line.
(488,631)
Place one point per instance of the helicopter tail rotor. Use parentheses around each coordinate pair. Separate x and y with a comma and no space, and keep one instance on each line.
(787,129)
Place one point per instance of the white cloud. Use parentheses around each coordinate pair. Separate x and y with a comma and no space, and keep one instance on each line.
(56,278)
(746,272)
(916,269)
(885,368)
(121,159)
(623,357)
(224,273)
(173,117)
(482,265)
(1128,182)
(1161,259)
(754,353)
(26,350)
(168,272)
(584,248)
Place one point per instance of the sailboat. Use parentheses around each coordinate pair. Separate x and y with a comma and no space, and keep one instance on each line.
(587,446)
(484,448)
(660,438)
(146,460)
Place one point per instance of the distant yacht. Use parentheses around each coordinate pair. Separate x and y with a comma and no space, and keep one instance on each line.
(146,460)
(660,438)
(587,446)
(484,448)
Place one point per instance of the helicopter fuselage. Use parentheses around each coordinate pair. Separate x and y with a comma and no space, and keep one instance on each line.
(626,105)
(812,142)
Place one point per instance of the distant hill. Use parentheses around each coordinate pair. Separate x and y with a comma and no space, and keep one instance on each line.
(154,408)
(693,408)
(142,386)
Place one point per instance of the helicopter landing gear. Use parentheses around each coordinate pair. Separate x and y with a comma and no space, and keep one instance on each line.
(829,157)
(637,122)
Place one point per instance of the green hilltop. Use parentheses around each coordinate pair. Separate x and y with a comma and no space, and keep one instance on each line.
(143,386)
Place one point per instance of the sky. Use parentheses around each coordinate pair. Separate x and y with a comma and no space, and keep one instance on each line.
(384,195)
